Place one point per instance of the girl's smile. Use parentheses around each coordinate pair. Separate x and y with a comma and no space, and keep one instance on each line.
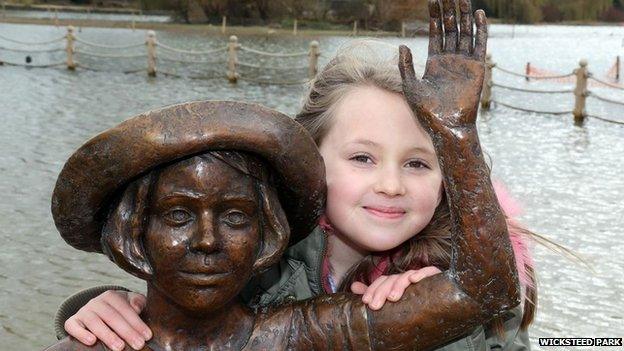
(385,212)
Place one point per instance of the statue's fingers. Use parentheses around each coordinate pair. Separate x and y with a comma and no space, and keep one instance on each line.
(450,25)
(411,84)
(436,38)
(465,27)
(482,35)
(406,65)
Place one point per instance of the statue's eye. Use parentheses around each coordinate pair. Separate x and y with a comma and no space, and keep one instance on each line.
(235,218)
(178,216)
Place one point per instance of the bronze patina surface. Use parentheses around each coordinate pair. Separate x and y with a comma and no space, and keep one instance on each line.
(197,223)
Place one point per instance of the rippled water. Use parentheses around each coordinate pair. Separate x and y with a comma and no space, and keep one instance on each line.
(568,178)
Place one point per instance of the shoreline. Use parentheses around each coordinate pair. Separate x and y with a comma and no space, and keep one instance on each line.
(83,9)
(193,28)
(215,29)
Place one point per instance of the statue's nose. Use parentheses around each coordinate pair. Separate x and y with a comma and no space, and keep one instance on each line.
(206,237)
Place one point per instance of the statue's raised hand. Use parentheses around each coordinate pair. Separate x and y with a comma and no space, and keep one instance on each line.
(447,96)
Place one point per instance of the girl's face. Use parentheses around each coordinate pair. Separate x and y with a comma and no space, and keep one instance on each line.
(383,177)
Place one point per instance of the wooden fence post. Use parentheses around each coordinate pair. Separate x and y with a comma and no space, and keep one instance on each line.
(223,24)
(295,27)
(151,53)
(355,30)
(617,69)
(69,48)
(486,93)
(527,72)
(56,20)
(313,58)
(580,92)
(232,59)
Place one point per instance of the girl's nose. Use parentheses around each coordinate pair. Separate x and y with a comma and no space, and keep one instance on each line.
(389,182)
(205,238)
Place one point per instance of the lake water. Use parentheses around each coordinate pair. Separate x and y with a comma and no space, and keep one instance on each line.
(568,178)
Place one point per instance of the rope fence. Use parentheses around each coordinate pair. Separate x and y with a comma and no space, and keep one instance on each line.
(52,41)
(523,109)
(190,52)
(529,76)
(109,55)
(116,47)
(580,76)
(532,90)
(611,85)
(598,97)
(270,68)
(605,120)
(48,65)
(168,58)
(30,50)
(273,82)
(273,54)
(223,58)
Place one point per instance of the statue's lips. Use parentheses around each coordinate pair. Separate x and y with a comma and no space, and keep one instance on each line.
(203,278)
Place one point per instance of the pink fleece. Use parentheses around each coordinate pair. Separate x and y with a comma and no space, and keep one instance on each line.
(519,241)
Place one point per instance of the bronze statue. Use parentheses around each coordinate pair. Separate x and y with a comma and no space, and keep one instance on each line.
(197,197)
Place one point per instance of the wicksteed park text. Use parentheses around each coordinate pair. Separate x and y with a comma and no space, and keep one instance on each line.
(580,342)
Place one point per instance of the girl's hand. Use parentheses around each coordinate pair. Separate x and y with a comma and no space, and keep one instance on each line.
(390,287)
(116,310)
(448,94)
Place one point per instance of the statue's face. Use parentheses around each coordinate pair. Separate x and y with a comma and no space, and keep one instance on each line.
(203,233)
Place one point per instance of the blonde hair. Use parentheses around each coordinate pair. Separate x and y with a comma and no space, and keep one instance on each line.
(373,63)
(361,63)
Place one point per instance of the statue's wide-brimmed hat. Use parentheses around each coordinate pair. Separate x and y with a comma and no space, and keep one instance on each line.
(104,165)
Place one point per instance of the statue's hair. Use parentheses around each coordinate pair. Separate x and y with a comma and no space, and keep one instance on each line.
(372,63)
(128,217)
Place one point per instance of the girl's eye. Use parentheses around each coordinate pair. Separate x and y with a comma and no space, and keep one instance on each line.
(236,219)
(417,164)
(178,216)
(361,159)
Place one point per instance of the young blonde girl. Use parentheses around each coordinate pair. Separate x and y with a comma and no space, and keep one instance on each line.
(386,224)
